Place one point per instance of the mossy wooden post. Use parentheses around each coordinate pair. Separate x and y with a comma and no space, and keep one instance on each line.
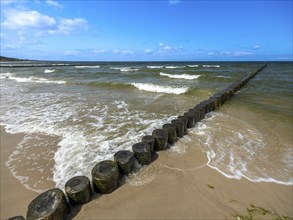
(78,190)
(172,134)
(184,118)
(191,119)
(150,140)
(125,160)
(211,104)
(199,114)
(201,109)
(105,176)
(161,139)
(142,152)
(179,127)
(50,205)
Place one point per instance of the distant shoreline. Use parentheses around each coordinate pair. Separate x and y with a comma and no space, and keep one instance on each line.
(10,59)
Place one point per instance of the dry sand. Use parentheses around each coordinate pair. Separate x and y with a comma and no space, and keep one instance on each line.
(174,186)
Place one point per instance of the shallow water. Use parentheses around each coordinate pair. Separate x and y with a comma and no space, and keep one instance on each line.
(77,114)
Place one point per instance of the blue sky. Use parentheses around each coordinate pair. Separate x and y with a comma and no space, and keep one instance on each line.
(156,30)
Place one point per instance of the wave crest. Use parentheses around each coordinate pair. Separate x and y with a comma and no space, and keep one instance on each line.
(149,87)
(30,79)
(180,76)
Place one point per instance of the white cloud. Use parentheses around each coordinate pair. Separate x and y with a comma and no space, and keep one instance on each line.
(71,53)
(124,52)
(53,4)
(167,49)
(229,53)
(27,19)
(255,47)
(8,2)
(238,54)
(148,51)
(40,23)
(66,26)
(100,51)
(174,2)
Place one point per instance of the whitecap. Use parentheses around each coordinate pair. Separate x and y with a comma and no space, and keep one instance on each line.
(180,76)
(60,64)
(30,79)
(49,71)
(211,66)
(90,67)
(155,67)
(124,69)
(191,66)
(174,67)
(149,87)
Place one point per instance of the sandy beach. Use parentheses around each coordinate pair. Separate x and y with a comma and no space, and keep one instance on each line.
(175,186)
(183,187)
(14,196)
(66,134)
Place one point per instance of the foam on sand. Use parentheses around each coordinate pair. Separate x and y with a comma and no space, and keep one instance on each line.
(240,149)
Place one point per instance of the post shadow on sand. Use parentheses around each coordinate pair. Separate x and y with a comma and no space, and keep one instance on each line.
(96,193)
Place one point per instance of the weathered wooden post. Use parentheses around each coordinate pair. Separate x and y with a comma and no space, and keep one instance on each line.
(150,140)
(172,134)
(105,175)
(78,190)
(191,119)
(184,118)
(125,160)
(161,139)
(50,205)
(142,152)
(179,127)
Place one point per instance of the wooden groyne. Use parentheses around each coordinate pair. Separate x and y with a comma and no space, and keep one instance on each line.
(54,204)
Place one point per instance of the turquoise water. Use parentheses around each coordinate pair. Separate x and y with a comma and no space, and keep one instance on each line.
(76,114)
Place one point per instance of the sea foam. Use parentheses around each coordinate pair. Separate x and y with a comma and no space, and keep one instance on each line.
(124,69)
(237,153)
(180,76)
(160,89)
(211,66)
(89,67)
(49,71)
(174,67)
(30,79)
(155,67)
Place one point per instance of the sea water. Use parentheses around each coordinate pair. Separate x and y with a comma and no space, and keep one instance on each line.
(75,114)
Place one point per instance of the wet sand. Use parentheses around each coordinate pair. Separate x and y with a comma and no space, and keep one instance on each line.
(183,187)
(14,196)
(175,186)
